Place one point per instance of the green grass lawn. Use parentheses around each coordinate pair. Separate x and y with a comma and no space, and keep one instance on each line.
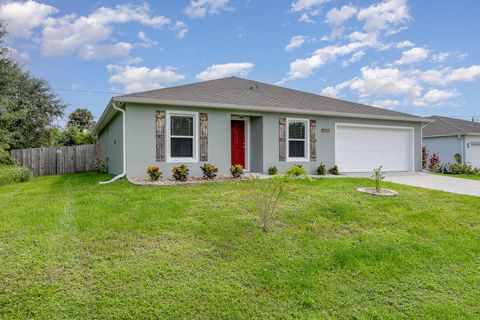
(70,248)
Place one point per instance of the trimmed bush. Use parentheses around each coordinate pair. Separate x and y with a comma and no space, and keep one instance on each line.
(101,165)
(180,173)
(321,170)
(209,170)
(272,171)
(296,171)
(236,170)
(13,174)
(333,170)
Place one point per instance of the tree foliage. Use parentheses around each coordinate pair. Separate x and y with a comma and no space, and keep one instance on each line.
(82,119)
(28,106)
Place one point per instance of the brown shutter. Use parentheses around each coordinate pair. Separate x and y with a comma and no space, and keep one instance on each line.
(203,137)
(160,136)
(282,133)
(313,140)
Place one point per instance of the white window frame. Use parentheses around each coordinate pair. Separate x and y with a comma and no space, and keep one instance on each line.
(307,140)
(169,114)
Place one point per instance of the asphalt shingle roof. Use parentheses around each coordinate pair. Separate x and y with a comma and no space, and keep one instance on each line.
(444,126)
(238,91)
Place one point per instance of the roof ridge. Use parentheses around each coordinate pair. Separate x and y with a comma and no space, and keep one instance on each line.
(444,120)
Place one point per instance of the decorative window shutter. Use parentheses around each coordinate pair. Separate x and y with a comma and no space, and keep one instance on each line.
(313,140)
(282,134)
(203,137)
(160,136)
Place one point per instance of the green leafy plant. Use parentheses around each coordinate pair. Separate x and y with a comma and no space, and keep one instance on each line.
(333,170)
(180,173)
(296,171)
(236,170)
(463,169)
(272,171)
(321,170)
(13,174)
(378,176)
(100,165)
(209,170)
(458,158)
(5,157)
(154,173)
(266,193)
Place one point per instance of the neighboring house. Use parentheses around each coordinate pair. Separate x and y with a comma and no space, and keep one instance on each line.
(447,137)
(238,121)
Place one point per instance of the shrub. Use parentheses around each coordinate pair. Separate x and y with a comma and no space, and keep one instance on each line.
(424,158)
(180,173)
(209,170)
(272,171)
(236,170)
(378,175)
(154,173)
(100,165)
(5,157)
(458,158)
(266,193)
(333,170)
(321,171)
(434,162)
(463,169)
(12,174)
(296,171)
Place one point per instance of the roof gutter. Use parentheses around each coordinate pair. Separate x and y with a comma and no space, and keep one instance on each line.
(124,146)
(266,109)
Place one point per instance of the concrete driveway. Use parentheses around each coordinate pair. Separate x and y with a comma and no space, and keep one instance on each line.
(429,181)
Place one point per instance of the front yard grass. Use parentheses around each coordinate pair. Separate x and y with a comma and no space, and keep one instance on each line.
(70,248)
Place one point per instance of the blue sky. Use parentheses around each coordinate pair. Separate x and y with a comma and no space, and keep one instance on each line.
(420,57)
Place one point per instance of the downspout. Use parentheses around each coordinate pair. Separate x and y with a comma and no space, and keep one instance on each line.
(124,173)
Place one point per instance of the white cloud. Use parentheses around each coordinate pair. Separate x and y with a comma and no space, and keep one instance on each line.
(338,17)
(21,58)
(305,5)
(443,56)
(22,17)
(404,44)
(413,55)
(85,35)
(200,8)
(181,28)
(329,92)
(303,68)
(464,74)
(389,104)
(309,9)
(435,97)
(295,42)
(216,71)
(143,78)
(146,42)
(384,15)
(357,56)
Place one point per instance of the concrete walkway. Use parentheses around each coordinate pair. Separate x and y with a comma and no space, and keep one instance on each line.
(429,181)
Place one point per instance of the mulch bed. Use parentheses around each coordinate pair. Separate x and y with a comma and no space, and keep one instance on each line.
(383,192)
(190,180)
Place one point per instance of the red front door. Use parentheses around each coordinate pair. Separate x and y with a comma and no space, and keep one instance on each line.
(238,142)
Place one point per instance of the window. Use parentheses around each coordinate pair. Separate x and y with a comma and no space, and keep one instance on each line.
(297,140)
(182,137)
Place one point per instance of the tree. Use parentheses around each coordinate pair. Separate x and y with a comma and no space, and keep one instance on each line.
(28,106)
(82,119)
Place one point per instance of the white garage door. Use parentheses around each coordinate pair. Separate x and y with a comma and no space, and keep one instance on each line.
(475,154)
(361,148)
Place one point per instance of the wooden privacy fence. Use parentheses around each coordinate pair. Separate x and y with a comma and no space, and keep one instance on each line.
(51,161)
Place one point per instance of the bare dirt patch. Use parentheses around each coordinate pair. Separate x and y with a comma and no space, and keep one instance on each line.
(383,192)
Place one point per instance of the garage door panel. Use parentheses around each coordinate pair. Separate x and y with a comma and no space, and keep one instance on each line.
(360,149)
(475,154)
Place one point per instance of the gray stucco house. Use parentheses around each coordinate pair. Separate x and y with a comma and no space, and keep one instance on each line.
(233,120)
(448,136)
